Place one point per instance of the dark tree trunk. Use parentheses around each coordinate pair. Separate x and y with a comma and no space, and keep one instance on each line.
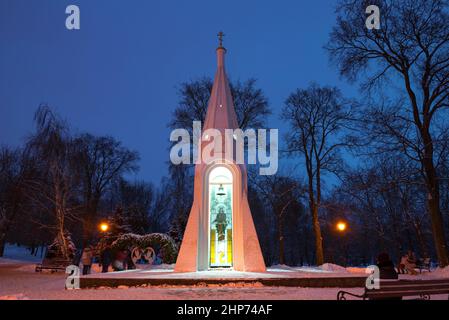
(89,221)
(281,241)
(306,247)
(2,245)
(421,240)
(318,236)
(433,200)
(436,220)
(316,221)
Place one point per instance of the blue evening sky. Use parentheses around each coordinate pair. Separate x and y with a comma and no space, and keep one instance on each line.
(119,74)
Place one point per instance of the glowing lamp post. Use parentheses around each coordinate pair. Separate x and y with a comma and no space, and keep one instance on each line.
(104,227)
(341,226)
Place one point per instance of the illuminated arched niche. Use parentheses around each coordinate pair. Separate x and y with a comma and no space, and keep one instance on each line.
(220,218)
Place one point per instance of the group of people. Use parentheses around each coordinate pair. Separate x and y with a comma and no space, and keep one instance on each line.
(119,260)
(407,265)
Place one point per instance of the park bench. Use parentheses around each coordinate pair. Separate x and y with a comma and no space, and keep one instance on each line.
(423,289)
(54,265)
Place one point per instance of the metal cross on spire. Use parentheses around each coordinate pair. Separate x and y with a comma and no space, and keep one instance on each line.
(220,38)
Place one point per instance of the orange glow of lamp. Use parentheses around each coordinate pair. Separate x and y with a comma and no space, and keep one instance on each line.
(104,227)
(341,226)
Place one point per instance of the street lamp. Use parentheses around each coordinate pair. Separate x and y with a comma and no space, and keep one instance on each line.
(341,226)
(104,227)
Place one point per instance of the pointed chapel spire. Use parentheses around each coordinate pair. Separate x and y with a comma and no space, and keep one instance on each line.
(220,111)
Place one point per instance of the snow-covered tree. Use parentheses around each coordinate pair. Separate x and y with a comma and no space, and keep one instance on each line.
(53,188)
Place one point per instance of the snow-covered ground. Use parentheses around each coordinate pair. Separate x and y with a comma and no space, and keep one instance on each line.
(19,281)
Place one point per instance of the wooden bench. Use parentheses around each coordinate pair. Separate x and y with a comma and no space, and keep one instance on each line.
(423,289)
(54,265)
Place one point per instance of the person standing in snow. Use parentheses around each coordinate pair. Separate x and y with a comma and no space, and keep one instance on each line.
(86,260)
(106,259)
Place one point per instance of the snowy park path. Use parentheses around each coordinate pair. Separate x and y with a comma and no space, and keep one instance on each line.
(19,281)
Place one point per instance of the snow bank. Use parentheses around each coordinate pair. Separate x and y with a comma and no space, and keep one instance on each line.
(281,267)
(441,272)
(333,268)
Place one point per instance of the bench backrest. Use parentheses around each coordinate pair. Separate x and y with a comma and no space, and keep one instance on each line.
(401,288)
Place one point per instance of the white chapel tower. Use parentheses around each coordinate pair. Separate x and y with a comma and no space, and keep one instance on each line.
(220,232)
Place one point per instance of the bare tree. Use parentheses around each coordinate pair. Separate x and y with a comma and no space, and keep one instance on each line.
(13,173)
(281,194)
(99,161)
(53,189)
(139,201)
(179,190)
(411,49)
(8,172)
(383,202)
(317,117)
(251,105)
